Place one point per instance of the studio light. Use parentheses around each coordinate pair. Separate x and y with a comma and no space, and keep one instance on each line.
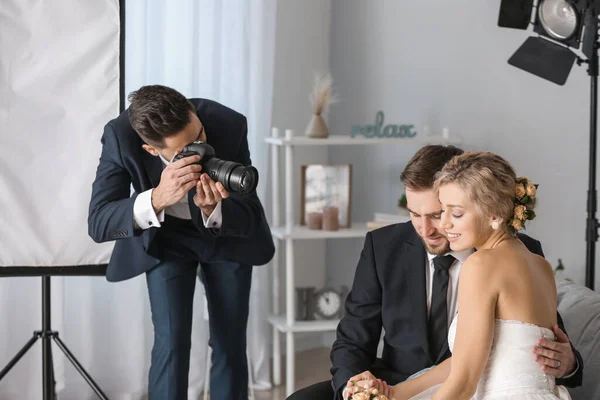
(560,26)
(567,32)
(558,18)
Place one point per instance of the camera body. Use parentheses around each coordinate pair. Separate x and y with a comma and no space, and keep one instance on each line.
(235,177)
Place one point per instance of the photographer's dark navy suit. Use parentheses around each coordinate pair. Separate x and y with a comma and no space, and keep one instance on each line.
(169,255)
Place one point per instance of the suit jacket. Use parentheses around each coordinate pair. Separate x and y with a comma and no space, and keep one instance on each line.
(389,292)
(244,236)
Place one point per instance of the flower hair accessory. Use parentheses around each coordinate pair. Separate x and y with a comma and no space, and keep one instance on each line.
(525,197)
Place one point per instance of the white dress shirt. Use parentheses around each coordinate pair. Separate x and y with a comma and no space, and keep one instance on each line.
(452,299)
(145,217)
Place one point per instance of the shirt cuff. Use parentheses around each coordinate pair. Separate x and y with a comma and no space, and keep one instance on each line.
(215,219)
(143,212)
(574,371)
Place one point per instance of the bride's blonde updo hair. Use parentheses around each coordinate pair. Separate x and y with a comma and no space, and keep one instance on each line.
(491,183)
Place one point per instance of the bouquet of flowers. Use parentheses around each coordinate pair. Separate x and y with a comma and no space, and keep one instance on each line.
(368,394)
(525,198)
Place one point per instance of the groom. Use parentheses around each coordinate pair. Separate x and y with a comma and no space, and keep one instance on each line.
(399,287)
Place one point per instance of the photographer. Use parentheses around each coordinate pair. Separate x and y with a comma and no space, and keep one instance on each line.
(176,218)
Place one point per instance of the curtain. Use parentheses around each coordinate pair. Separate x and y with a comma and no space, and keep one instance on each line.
(217,49)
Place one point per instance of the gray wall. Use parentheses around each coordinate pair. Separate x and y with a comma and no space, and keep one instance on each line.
(301,48)
(442,63)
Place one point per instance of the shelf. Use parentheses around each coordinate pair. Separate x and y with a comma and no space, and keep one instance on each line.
(303,326)
(282,145)
(357,230)
(342,140)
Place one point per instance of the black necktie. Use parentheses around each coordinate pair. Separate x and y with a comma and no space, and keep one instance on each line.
(438,314)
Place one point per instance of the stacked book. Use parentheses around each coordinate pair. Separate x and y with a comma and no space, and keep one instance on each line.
(383,219)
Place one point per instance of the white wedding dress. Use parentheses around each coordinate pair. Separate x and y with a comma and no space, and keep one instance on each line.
(511,371)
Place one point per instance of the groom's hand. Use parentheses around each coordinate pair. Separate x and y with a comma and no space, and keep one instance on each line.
(556,357)
(366,382)
(358,381)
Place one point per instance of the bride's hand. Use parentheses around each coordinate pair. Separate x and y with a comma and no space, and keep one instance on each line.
(367,383)
(366,387)
(386,389)
(399,392)
(352,386)
(363,390)
(382,388)
(357,383)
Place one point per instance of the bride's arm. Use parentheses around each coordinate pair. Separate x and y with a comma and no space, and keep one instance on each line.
(434,376)
(477,297)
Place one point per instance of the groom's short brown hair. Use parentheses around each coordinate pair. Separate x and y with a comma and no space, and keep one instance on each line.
(419,173)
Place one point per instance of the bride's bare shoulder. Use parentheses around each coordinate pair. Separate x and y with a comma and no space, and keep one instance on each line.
(478,275)
(480,262)
(505,260)
(488,261)
(543,264)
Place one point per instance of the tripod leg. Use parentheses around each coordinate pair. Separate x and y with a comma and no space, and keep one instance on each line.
(79,368)
(18,356)
(53,377)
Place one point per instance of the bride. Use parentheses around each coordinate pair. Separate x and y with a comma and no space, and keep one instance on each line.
(507,296)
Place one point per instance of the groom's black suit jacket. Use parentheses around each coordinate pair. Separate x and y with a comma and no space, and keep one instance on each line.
(389,292)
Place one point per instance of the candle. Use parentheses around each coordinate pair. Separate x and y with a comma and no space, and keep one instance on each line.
(331,220)
(314,220)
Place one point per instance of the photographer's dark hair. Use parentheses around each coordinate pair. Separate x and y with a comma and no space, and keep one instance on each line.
(420,171)
(157,112)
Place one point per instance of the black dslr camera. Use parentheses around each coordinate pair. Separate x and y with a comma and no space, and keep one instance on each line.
(234,176)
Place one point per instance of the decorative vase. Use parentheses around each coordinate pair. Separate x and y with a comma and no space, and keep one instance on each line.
(317,128)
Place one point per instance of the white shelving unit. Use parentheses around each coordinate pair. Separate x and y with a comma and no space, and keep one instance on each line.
(289,231)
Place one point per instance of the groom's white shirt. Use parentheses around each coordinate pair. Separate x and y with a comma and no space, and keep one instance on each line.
(452,300)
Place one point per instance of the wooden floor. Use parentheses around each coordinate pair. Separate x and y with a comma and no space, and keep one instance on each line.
(312,366)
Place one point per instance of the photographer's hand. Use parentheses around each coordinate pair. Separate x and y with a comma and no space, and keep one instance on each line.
(176,180)
(208,194)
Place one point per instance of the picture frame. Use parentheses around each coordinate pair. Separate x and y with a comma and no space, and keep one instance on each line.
(325,185)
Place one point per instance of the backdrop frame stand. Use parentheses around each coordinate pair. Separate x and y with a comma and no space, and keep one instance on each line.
(46,333)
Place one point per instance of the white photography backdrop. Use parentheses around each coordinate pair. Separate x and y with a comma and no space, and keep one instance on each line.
(59,85)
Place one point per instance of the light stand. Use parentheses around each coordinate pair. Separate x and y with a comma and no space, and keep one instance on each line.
(560,25)
(591,234)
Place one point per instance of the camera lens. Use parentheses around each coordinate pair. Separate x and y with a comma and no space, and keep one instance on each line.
(235,177)
(248,179)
